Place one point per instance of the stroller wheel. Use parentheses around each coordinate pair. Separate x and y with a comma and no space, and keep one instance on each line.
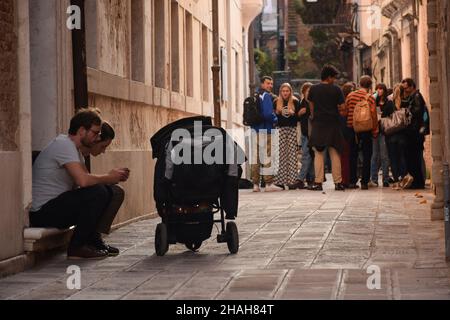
(194,246)
(232,237)
(161,241)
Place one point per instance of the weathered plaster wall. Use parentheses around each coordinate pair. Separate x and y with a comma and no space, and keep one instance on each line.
(113,37)
(43,43)
(9,115)
(11,219)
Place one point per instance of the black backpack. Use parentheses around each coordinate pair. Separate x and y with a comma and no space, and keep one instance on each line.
(424,122)
(252,111)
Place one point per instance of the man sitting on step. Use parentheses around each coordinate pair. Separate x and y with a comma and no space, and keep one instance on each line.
(66,194)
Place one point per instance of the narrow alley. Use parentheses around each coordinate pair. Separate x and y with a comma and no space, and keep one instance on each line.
(294,245)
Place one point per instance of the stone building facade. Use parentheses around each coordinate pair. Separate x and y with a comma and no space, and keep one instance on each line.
(392,45)
(413,41)
(15,132)
(392,41)
(439,66)
(148,63)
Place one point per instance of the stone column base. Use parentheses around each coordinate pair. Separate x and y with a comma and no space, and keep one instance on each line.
(15,265)
(437,214)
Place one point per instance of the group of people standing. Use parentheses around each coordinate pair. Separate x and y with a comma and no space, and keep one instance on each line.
(340,126)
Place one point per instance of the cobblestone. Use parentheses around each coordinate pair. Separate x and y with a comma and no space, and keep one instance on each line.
(294,245)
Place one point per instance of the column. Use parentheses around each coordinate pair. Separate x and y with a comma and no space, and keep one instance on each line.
(436,117)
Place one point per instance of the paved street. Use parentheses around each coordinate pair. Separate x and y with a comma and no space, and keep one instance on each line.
(294,245)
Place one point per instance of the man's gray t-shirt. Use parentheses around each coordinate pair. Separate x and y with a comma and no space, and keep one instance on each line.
(50,178)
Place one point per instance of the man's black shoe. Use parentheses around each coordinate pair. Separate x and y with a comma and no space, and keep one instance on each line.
(339,187)
(86,252)
(353,186)
(364,186)
(301,185)
(99,244)
(386,184)
(297,185)
(112,251)
(316,187)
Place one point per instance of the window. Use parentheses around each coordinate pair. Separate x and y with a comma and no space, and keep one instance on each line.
(137,41)
(90,10)
(160,45)
(237,81)
(175,47)
(224,73)
(205,63)
(189,57)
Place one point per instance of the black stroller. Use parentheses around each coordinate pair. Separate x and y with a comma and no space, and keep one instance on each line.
(189,189)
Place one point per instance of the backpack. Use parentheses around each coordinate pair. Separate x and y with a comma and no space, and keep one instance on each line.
(425,130)
(425,121)
(362,116)
(252,111)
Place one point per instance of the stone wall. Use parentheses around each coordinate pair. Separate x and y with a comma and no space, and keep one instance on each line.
(9,115)
(438,45)
(11,218)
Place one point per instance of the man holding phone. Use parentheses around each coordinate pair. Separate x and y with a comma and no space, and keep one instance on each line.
(66,194)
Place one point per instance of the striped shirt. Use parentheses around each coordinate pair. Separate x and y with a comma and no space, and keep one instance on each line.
(350,103)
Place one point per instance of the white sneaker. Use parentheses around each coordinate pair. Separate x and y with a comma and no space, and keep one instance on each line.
(256,188)
(273,188)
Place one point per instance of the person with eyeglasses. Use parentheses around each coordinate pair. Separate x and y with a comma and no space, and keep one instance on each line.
(65,194)
(117,194)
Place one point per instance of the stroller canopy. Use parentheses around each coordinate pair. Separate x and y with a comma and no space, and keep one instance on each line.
(163,136)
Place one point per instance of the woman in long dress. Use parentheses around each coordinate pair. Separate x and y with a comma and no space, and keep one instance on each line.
(287,108)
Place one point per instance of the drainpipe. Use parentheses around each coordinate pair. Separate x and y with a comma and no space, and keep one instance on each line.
(79,60)
(251,59)
(216,66)
(80,85)
(446,176)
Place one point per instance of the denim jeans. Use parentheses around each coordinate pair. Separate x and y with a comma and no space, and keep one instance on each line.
(361,141)
(380,158)
(414,159)
(307,170)
(81,207)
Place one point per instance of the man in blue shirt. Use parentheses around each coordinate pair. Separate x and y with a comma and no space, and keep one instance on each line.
(261,155)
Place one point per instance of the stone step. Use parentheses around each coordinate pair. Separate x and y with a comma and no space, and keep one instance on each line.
(44,239)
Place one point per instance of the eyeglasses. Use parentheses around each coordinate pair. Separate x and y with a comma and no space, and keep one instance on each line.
(96,133)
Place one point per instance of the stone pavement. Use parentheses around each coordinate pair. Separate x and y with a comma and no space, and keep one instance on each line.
(294,245)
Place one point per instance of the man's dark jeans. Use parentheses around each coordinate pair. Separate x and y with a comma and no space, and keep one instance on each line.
(364,141)
(81,207)
(414,159)
(397,150)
